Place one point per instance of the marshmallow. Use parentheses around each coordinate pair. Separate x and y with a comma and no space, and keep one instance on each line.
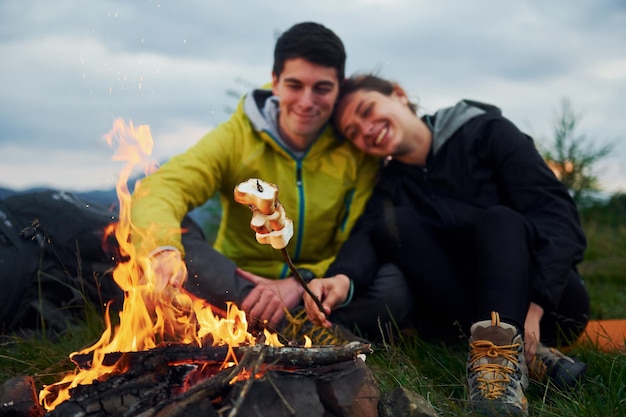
(269,220)
(257,193)
(277,238)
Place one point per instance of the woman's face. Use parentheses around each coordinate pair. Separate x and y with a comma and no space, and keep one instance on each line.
(376,123)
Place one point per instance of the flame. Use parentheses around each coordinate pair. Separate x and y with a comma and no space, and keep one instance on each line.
(152,313)
(272,339)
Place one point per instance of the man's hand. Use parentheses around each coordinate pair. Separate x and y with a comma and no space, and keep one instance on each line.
(532,332)
(169,269)
(331,292)
(269,297)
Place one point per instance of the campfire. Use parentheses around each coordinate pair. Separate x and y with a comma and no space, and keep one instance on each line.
(173,354)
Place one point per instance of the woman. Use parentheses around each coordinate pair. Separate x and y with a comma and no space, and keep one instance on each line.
(485,234)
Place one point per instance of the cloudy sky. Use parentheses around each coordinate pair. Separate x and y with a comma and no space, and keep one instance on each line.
(70,68)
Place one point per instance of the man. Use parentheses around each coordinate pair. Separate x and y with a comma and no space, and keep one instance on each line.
(281,136)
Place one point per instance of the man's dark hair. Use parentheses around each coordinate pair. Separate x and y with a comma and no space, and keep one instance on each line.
(312,42)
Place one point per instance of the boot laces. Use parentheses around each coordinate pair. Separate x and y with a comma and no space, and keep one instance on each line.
(493,378)
(546,357)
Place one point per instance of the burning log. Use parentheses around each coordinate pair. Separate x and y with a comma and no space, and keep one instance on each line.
(344,389)
(121,393)
(187,402)
(172,354)
(147,391)
(172,381)
(18,398)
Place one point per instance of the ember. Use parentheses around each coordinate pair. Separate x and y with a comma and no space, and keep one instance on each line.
(173,354)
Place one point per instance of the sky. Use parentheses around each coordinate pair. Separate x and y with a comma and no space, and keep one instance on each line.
(71,68)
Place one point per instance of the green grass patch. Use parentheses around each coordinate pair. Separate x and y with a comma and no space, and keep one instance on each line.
(437,372)
(46,357)
(604,269)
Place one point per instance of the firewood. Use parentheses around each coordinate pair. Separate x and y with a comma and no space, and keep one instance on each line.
(287,355)
(314,356)
(195,398)
(160,382)
(246,388)
(147,391)
(116,394)
(19,398)
(345,389)
(170,353)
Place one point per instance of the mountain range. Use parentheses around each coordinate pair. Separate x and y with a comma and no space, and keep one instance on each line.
(206,215)
(105,197)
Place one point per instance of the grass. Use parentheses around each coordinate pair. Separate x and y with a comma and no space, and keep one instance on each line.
(435,371)
(604,269)
(46,358)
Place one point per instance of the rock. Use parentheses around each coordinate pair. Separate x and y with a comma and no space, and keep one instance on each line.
(404,403)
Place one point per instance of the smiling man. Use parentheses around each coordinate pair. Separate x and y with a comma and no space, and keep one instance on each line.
(307,93)
(281,136)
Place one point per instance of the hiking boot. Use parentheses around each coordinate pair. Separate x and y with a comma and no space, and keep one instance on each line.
(496,370)
(550,364)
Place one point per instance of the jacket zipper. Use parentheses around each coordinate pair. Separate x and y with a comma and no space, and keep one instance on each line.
(301,211)
(300,189)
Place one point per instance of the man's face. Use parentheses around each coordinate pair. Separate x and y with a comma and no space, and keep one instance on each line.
(307,94)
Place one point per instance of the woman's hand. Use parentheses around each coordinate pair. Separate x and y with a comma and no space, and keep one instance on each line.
(331,292)
(532,332)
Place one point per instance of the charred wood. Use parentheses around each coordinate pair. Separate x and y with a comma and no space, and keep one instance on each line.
(198,399)
(172,354)
(177,381)
(346,389)
(118,393)
(18,398)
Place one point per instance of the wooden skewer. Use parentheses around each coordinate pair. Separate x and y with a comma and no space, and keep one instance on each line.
(301,280)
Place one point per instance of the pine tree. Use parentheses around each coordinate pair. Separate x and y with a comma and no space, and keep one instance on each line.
(572,156)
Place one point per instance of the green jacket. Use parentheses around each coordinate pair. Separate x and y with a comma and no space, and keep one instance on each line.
(323,191)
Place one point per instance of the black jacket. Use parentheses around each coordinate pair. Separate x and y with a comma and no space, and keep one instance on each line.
(478,159)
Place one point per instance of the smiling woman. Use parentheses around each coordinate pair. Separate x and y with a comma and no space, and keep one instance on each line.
(378,117)
(484,233)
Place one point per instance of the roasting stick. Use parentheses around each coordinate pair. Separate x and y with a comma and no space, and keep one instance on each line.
(302,281)
(270,223)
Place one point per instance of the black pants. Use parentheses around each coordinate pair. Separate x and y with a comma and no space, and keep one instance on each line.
(384,308)
(385,304)
(459,276)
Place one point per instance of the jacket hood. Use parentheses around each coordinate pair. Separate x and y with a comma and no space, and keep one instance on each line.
(261,107)
(447,121)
